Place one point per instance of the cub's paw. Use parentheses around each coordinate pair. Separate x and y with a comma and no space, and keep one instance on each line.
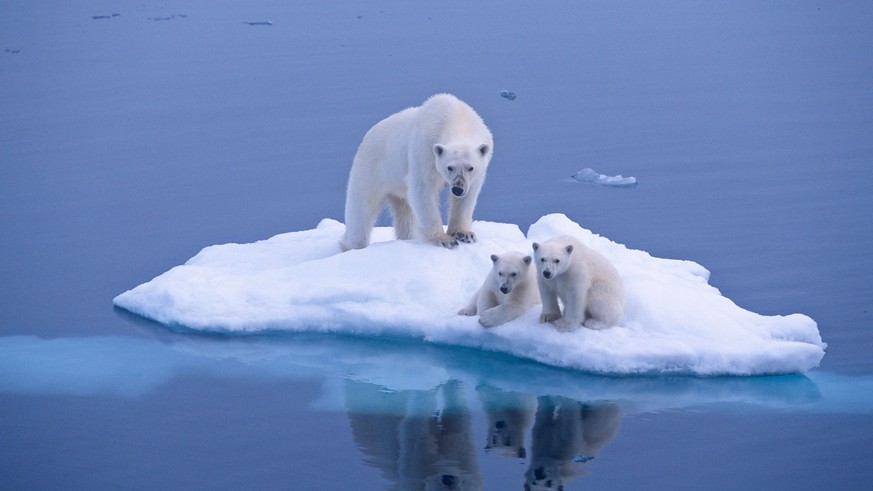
(596,325)
(467,311)
(465,237)
(489,318)
(550,316)
(564,325)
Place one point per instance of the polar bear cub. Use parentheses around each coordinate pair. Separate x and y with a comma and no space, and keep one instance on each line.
(586,283)
(406,160)
(508,291)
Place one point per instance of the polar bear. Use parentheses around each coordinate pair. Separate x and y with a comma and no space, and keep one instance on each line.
(508,291)
(585,281)
(566,433)
(406,159)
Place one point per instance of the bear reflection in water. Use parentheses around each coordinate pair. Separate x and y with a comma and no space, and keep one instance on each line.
(422,439)
(415,443)
(567,432)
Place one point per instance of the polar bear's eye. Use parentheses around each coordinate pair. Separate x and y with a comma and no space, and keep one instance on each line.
(499,274)
(557,261)
(450,168)
(469,168)
(514,275)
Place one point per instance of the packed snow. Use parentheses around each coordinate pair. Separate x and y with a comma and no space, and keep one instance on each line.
(591,176)
(674,321)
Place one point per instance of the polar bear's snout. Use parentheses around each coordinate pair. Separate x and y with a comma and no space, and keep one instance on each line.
(547,274)
(459,186)
(504,288)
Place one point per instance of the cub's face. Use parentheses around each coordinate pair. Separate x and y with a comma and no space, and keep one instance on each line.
(511,269)
(460,165)
(552,259)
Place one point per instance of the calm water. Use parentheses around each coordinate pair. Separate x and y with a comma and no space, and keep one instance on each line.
(129,143)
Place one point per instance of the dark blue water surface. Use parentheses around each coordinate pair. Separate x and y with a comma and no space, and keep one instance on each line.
(130,142)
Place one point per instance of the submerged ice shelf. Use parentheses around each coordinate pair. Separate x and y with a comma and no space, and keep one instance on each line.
(674,321)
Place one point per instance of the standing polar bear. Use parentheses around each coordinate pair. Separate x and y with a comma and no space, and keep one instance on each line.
(585,281)
(508,291)
(406,159)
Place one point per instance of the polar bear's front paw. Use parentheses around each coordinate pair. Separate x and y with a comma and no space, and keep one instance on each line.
(448,244)
(565,325)
(465,237)
(446,241)
(550,316)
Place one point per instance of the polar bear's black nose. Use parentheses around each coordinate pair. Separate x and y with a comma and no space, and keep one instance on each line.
(504,290)
(457,190)
(547,274)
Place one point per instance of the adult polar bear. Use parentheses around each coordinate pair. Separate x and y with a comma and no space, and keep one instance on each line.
(406,159)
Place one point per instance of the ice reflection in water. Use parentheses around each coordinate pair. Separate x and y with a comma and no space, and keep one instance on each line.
(423,425)
(423,439)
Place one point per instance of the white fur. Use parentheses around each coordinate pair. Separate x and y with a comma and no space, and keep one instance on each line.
(586,283)
(406,159)
(508,291)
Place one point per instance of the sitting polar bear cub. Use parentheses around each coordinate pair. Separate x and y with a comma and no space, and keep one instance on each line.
(509,290)
(406,159)
(585,281)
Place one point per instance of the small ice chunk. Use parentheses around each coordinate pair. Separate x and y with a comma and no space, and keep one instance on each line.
(590,176)
(260,23)
(583,458)
(506,94)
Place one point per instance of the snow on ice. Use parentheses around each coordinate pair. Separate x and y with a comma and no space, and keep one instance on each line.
(674,322)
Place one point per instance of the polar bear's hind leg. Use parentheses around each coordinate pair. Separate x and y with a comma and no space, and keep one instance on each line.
(404,219)
(362,210)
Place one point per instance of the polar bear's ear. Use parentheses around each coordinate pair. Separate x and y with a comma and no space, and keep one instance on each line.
(483,150)
(494,258)
(569,248)
(438,150)
(536,246)
(526,259)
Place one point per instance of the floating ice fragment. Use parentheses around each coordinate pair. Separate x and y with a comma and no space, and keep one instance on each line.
(674,321)
(590,176)
(508,95)
(260,23)
(97,17)
(583,458)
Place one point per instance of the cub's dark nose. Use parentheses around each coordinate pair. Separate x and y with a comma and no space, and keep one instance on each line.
(457,190)
(504,290)
(547,274)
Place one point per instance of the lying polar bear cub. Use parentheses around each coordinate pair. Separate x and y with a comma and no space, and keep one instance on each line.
(586,283)
(509,290)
